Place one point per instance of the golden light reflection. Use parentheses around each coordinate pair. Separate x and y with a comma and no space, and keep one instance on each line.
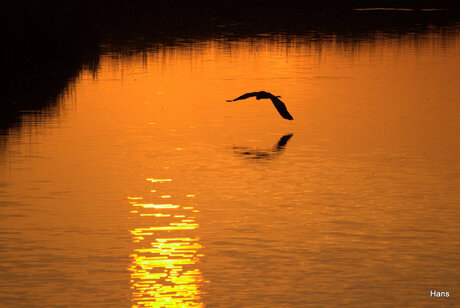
(163,268)
(159,180)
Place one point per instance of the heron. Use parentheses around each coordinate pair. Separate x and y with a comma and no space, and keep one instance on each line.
(279,105)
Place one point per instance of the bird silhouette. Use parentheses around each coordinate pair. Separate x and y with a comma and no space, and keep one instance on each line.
(279,105)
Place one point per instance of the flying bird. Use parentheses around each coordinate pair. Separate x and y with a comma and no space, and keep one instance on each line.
(280,106)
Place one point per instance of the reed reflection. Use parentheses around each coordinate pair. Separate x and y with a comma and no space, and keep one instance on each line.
(163,268)
(277,150)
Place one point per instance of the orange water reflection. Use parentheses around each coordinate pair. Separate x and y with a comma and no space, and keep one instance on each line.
(163,268)
(359,209)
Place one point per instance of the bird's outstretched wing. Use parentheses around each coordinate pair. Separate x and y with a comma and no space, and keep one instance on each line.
(244,96)
(281,107)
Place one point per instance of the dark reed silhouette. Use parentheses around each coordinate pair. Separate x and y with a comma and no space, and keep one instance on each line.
(277,149)
(280,106)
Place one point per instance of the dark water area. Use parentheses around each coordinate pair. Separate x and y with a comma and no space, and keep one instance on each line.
(46,47)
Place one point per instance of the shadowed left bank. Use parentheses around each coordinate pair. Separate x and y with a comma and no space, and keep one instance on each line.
(46,48)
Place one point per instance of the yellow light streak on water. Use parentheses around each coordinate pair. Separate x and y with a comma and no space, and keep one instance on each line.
(159,180)
(157,206)
(163,268)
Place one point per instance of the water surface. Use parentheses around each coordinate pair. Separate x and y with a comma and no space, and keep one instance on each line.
(143,187)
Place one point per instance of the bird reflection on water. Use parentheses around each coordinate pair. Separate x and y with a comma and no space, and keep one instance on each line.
(277,150)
